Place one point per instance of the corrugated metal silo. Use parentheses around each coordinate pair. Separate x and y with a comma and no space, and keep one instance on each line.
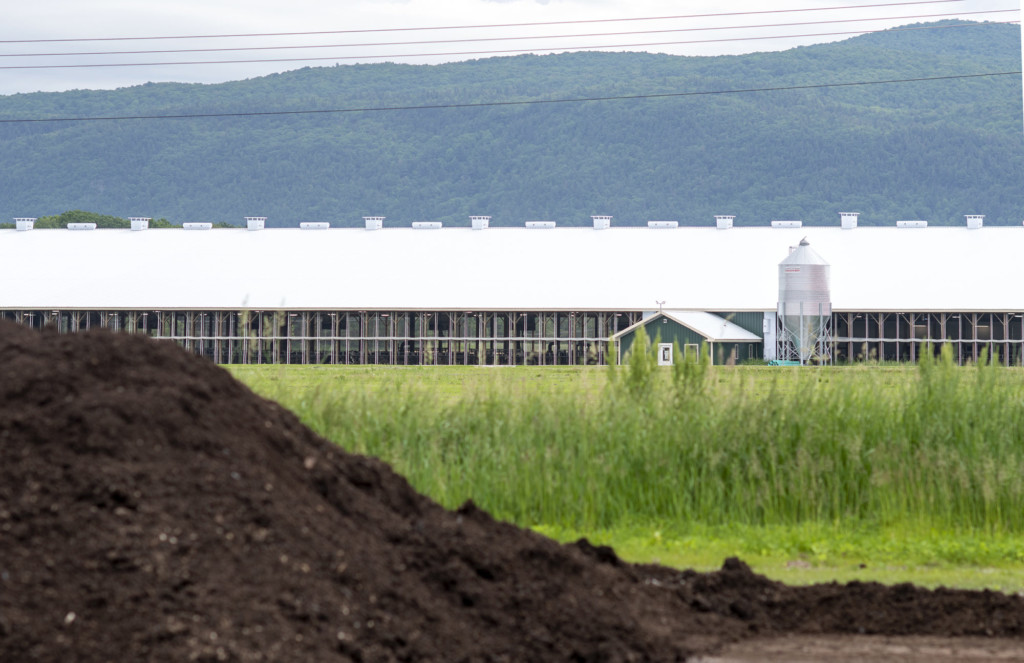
(805,307)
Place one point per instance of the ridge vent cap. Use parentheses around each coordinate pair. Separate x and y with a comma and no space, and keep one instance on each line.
(255,222)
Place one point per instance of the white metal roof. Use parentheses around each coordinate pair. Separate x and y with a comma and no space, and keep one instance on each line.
(712,327)
(876,269)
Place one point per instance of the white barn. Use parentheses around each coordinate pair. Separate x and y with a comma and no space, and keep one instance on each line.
(526,295)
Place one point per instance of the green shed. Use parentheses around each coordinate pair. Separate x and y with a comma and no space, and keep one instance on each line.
(727,342)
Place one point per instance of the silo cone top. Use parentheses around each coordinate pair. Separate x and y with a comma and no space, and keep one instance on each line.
(804,255)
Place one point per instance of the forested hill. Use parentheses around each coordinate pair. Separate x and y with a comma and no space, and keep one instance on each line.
(931,150)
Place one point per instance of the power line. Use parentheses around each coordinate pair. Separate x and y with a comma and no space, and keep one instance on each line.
(465,27)
(490,52)
(487,104)
(514,38)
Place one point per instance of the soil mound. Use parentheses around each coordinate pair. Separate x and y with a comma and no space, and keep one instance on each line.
(153,508)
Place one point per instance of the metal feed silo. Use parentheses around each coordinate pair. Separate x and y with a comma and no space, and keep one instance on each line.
(805,307)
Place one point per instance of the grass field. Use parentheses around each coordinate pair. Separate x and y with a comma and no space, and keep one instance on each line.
(887,473)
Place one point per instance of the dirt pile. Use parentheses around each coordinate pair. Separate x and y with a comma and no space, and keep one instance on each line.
(152,508)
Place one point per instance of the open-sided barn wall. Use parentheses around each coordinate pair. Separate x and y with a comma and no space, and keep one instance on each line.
(516,338)
(893,336)
(361,337)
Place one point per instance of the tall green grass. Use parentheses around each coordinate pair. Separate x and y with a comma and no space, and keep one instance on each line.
(939,446)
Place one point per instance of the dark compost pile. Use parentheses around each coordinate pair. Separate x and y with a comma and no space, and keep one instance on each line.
(153,508)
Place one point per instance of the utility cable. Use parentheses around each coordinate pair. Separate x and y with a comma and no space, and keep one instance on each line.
(489,52)
(465,27)
(515,38)
(491,104)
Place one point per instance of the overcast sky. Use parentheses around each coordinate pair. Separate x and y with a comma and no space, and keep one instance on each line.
(80,19)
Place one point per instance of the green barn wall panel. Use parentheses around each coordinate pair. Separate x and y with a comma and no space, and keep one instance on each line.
(670,331)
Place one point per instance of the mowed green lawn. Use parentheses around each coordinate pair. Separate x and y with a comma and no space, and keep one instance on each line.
(848,473)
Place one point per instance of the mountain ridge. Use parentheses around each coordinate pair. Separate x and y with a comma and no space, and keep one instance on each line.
(931,149)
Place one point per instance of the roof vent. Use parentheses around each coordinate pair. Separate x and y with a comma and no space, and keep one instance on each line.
(975,221)
(662,224)
(787,224)
(911,224)
(197,225)
(24,222)
(848,220)
(602,222)
(81,226)
(255,222)
(724,222)
(374,222)
(480,222)
(315,225)
(426,225)
(540,224)
(140,222)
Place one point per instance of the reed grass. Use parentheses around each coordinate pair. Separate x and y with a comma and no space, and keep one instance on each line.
(934,447)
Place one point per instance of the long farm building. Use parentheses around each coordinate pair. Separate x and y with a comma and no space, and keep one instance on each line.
(531,295)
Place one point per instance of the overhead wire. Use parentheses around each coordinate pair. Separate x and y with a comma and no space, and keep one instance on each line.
(493,52)
(479,26)
(508,38)
(524,102)
(488,52)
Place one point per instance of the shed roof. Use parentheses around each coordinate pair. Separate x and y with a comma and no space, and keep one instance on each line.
(705,269)
(713,327)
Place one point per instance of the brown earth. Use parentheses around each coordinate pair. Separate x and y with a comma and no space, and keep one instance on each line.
(153,508)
